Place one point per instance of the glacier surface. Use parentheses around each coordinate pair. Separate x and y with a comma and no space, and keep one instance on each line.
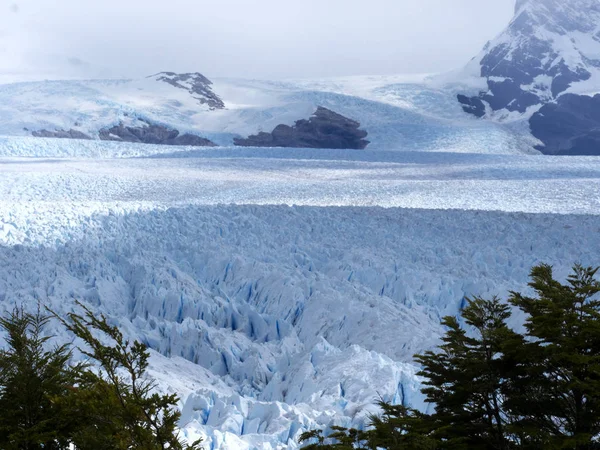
(281,289)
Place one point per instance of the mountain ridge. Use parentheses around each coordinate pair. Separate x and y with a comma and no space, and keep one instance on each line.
(550,48)
(195,83)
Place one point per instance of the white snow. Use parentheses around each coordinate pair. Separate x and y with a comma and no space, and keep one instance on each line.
(589,87)
(282,290)
(399,113)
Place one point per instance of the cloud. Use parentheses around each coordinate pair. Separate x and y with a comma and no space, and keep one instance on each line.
(259,38)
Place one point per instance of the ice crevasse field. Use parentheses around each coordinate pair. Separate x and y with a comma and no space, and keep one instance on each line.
(285,289)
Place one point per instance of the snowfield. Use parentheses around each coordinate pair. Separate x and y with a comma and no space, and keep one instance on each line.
(399,113)
(316,177)
(279,289)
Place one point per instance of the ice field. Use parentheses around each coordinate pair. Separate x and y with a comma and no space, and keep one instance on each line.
(283,289)
(399,113)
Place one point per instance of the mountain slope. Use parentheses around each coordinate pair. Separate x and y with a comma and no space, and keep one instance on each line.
(550,49)
(88,106)
(397,115)
(196,84)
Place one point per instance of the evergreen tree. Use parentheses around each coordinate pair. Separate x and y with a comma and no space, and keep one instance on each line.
(118,406)
(397,428)
(339,439)
(33,383)
(497,389)
(467,378)
(559,398)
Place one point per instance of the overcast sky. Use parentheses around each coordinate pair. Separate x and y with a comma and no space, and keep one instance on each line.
(243,38)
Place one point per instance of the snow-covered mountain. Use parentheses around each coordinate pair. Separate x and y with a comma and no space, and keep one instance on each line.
(85,108)
(545,64)
(534,83)
(196,84)
(395,112)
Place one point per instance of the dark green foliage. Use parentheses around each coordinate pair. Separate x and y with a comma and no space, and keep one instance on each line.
(118,405)
(33,381)
(339,439)
(467,379)
(495,389)
(559,399)
(397,428)
(492,388)
(48,404)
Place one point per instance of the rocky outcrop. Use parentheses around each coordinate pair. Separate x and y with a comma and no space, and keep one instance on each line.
(146,133)
(152,134)
(472,105)
(196,84)
(325,129)
(571,126)
(61,134)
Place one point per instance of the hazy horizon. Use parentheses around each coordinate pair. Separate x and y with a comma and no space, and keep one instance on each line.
(234,38)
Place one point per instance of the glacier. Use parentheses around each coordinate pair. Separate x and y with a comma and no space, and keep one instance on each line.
(282,289)
(412,114)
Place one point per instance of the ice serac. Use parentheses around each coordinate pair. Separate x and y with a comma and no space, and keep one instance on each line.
(196,84)
(325,129)
(551,47)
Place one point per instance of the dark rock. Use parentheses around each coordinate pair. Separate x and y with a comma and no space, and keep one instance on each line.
(152,134)
(61,134)
(196,84)
(570,126)
(325,129)
(191,140)
(472,105)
